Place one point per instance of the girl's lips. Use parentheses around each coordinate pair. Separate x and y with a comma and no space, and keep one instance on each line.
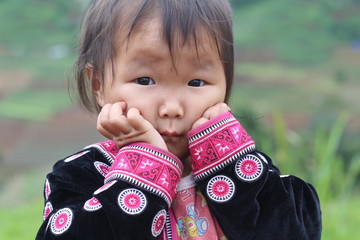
(170,134)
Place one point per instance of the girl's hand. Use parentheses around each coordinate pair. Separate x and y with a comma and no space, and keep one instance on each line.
(127,127)
(210,113)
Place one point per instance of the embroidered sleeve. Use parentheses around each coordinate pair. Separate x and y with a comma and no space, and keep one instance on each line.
(217,143)
(149,168)
(130,203)
(246,193)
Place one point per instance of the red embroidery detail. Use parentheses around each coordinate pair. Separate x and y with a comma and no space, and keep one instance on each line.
(108,148)
(47,189)
(92,204)
(61,221)
(147,168)
(220,188)
(132,201)
(249,168)
(216,144)
(75,156)
(47,210)
(158,223)
(105,187)
(102,168)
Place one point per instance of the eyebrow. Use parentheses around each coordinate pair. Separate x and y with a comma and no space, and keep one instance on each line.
(152,56)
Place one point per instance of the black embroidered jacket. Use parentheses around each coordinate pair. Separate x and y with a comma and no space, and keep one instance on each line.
(107,193)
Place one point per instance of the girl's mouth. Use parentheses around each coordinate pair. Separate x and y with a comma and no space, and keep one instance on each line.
(170,134)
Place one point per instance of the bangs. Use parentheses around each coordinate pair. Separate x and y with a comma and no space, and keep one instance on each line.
(186,22)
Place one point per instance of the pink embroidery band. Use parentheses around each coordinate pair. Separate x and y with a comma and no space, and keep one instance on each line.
(148,167)
(217,143)
(108,149)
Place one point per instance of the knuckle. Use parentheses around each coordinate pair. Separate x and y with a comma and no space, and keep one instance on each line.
(101,122)
(113,121)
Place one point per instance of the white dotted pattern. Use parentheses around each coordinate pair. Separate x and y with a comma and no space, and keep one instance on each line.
(47,210)
(132,201)
(92,204)
(220,188)
(249,168)
(61,221)
(105,187)
(158,223)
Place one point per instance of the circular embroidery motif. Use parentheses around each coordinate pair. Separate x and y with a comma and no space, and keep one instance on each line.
(47,189)
(132,201)
(220,188)
(75,156)
(102,168)
(249,168)
(158,223)
(105,187)
(61,221)
(47,210)
(92,204)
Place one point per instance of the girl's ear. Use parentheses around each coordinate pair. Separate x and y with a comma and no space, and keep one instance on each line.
(95,84)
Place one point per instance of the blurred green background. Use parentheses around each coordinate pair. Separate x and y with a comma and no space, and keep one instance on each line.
(297,90)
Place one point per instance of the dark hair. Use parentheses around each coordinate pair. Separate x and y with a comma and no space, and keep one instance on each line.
(107,20)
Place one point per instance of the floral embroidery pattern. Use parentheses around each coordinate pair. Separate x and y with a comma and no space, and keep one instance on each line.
(132,201)
(61,221)
(217,145)
(47,210)
(249,168)
(47,189)
(75,156)
(158,223)
(92,204)
(147,168)
(105,187)
(102,168)
(220,188)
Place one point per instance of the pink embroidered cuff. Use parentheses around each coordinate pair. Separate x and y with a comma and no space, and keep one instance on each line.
(148,167)
(217,143)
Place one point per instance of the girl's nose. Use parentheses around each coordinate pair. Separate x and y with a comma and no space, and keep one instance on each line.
(171,108)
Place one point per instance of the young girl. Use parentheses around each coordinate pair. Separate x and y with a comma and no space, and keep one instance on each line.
(177,165)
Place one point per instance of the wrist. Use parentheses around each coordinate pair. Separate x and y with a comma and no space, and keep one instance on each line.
(148,167)
(217,143)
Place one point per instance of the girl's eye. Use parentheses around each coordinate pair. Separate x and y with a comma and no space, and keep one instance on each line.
(145,81)
(196,83)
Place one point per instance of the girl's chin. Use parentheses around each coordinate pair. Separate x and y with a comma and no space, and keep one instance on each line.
(180,152)
(181,155)
(180,148)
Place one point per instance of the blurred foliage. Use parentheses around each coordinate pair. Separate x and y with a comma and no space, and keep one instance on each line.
(29,104)
(21,222)
(316,157)
(37,24)
(298,31)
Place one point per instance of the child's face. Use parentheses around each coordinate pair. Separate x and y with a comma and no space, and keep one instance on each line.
(170,95)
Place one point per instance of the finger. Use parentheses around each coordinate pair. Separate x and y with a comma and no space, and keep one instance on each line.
(123,106)
(111,120)
(118,123)
(102,117)
(137,121)
(199,122)
(144,131)
(216,110)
